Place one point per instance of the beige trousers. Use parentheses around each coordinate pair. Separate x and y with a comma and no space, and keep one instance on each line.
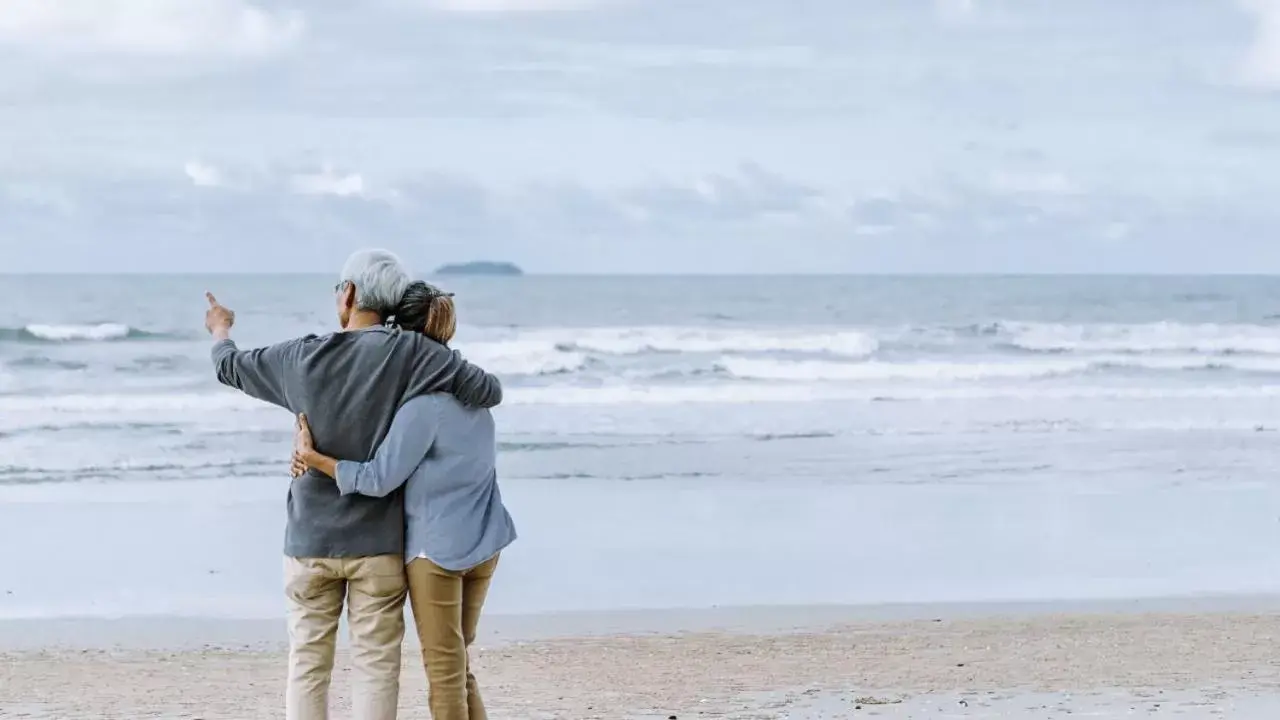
(374,591)
(446,610)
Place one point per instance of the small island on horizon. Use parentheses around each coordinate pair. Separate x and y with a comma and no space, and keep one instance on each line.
(480,267)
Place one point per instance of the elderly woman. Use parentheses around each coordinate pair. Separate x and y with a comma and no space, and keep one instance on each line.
(443,452)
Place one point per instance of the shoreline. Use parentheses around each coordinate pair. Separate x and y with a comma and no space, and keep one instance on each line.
(996,660)
(179,632)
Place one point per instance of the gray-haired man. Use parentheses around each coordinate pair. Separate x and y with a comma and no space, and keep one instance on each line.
(350,547)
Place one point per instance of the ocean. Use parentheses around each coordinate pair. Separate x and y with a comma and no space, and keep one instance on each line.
(683,441)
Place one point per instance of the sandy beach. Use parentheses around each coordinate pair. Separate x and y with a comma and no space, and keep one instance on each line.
(1173,659)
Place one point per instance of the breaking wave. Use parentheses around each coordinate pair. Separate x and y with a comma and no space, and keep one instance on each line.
(642,340)
(99,332)
(1161,337)
(525,357)
(817,370)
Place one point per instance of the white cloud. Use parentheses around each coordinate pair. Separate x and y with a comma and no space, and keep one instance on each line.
(749,193)
(147,27)
(1261,67)
(660,56)
(1116,231)
(329,182)
(202,175)
(509,6)
(1033,183)
(38,195)
(955,9)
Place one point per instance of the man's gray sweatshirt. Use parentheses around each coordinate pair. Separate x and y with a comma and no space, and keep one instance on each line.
(350,385)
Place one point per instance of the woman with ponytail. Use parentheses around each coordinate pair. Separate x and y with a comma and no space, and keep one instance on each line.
(443,453)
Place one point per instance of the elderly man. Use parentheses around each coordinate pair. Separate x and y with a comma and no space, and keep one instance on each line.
(337,547)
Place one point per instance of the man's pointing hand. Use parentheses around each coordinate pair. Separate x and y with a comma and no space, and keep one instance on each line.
(218,319)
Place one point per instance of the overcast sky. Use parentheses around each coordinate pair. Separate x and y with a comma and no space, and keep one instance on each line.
(641,135)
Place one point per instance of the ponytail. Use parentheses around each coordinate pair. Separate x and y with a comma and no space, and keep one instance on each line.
(442,321)
(428,310)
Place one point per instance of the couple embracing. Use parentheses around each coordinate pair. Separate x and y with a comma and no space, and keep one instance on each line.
(394,492)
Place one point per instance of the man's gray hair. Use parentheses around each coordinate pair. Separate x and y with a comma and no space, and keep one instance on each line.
(380,279)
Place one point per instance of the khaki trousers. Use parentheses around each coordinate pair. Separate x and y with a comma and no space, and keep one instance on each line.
(374,591)
(446,610)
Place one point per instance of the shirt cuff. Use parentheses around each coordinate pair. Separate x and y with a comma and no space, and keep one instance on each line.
(348,471)
(221,345)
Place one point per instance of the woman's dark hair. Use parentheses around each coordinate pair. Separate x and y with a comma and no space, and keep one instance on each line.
(426,309)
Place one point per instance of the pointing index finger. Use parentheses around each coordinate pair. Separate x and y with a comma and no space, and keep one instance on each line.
(213,301)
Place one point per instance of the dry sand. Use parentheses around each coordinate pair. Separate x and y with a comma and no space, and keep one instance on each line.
(1166,664)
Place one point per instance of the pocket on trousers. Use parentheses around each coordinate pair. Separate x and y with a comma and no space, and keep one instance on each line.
(306,580)
(381,576)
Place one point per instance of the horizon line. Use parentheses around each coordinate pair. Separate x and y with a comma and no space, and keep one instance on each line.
(624,274)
